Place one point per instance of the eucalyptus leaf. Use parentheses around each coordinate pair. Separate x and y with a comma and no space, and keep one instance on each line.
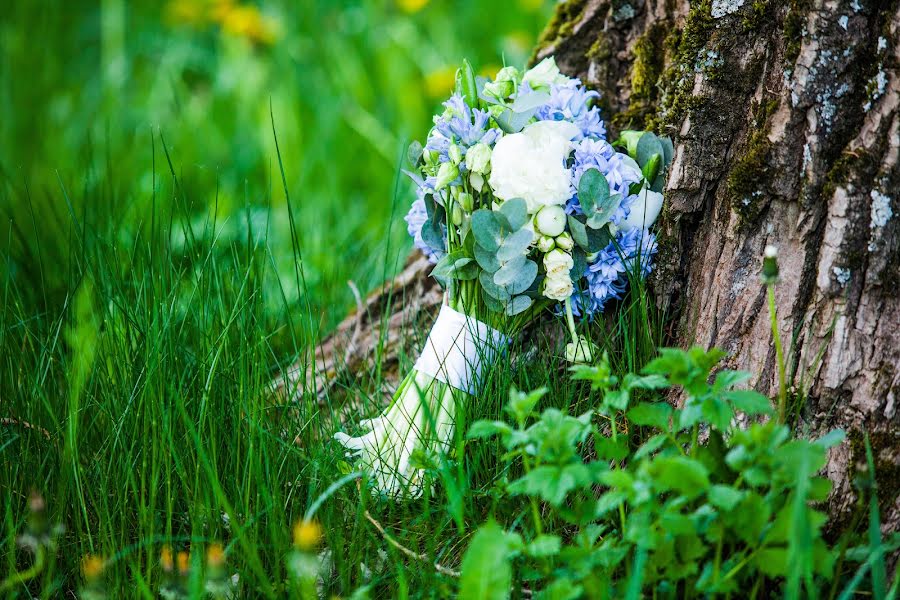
(517,305)
(415,177)
(433,236)
(514,245)
(598,239)
(516,212)
(530,101)
(490,302)
(514,122)
(498,292)
(487,230)
(523,278)
(579,258)
(414,153)
(604,212)
(508,272)
(487,260)
(579,232)
(647,146)
(593,190)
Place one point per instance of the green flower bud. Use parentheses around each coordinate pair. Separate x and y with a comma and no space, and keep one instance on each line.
(446,174)
(545,244)
(455,153)
(770,265)
(477,181)
(551,220)
(466,201)
(478,157)
(457,214)
(565,241)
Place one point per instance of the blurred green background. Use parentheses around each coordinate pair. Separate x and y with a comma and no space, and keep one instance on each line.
(97,98)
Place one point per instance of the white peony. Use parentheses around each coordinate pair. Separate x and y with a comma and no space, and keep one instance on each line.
(544,74)
(558,288)
(558,263)
(644,210)
(478,157)
(531,165)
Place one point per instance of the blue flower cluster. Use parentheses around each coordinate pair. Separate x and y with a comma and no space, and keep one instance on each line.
(415,218)
(461,125)
(569,101)
(600,155)
(606,276)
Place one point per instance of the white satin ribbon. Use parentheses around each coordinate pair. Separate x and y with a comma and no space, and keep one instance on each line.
(456,349)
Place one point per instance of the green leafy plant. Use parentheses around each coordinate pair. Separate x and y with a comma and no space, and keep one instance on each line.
(705,498)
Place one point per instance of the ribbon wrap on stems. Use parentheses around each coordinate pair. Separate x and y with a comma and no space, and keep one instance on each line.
(422,412)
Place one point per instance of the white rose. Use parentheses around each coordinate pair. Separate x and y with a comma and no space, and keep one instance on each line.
(558,288)
(478,157)
(551,220)
(543,74)
(558,263)
(644,210)
(531,165)
(546,244)
(565,241)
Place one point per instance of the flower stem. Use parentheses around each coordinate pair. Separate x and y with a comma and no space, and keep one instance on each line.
(779,355)
(570,321)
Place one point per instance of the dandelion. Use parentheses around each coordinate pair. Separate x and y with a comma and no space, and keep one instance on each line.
(248,22)
(411,6)
(91,567)
(165,559)
(215,556)
(183,559)
(307,534)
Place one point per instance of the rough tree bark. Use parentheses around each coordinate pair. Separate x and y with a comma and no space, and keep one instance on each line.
(787,132)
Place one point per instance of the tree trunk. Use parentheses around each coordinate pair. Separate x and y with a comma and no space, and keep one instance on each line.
(786,127)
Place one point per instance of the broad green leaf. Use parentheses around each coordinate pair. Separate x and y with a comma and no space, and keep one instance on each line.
(487,260)
(654,414)
(521,404)
(546,482)
(680,473)
(483,429)
(544,545)
(648,146)
(515,244)
(515,211)
(513,122)
(578,230)
(724,497)
(518,305)
(509,272)
(433,236)
(593,191)
(609,449)
(717,413)
(530,101)
(579,264)
(650,446)
(604,211)
(487,230)
(749,401)
(486,570)
(498,292)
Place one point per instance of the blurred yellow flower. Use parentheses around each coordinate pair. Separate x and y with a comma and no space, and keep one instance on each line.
(531,5)
(411,6)
(215,555)
(248,22)
(440,82)
(307,534)
(489,70)
(183,559)
(165,559)
(91,566)
(185,12)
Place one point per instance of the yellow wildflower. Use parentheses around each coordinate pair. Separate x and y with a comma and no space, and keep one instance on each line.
(439,83)
(411,6)
(215,555)
(307,534)
(91,566)
(165,559)
(183,562)
(248,22)
(185,12)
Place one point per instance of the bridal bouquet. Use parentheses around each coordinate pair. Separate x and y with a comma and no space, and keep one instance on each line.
(524,207)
